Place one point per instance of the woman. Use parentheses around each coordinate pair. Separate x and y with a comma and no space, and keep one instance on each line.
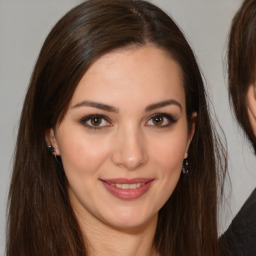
(115,152)
(240,238)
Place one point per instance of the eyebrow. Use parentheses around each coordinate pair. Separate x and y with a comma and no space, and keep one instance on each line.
(115,110)
(96,105)
(163,104)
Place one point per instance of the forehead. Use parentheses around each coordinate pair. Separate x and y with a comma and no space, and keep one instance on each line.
(137,71)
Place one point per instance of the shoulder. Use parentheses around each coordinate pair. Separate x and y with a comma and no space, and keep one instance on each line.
(247,213)
(240,237)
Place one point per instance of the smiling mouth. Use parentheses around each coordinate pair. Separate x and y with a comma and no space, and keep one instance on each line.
(127,186)
(127,189)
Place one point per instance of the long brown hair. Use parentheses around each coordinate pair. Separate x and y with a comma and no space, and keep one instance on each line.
(41,220)
(242,63)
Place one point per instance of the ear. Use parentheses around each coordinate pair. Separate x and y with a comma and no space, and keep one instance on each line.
(251,105)
(191,132)
(50,139)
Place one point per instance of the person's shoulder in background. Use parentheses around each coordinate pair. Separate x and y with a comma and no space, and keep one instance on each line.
(240,237)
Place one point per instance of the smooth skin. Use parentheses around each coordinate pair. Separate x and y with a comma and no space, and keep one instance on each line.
(251,105)
(126,119)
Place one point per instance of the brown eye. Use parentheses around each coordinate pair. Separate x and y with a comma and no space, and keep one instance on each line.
(95,121)
(158,120)
(161,120)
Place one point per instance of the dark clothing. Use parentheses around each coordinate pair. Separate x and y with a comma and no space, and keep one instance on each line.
(240,237)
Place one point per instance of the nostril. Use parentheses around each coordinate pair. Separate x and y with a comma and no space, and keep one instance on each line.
(129,151)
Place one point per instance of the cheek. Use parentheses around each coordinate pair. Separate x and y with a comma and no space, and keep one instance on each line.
(167,158)
(82,156)
(170,152)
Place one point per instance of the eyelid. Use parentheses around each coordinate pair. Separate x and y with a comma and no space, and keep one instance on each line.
(170,118)
(88,117)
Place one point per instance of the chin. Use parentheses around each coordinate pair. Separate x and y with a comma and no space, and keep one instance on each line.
(130,220)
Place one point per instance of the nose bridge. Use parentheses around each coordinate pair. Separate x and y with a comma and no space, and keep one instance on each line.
(130,151)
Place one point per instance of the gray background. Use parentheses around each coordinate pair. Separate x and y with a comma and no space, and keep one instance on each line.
(24,25)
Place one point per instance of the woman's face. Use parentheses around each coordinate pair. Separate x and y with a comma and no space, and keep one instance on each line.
(251,105)
(124,137)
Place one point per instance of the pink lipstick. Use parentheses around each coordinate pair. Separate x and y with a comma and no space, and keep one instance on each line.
(127,189)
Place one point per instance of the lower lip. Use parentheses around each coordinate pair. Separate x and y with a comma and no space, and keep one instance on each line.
(128,194)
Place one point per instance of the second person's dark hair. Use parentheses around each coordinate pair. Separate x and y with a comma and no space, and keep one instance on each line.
(242,63)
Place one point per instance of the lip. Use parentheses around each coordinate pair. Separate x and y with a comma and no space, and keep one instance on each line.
(144,185)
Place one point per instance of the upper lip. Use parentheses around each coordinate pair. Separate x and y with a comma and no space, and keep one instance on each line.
(127,181)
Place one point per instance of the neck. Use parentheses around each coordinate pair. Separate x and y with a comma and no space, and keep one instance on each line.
(104,240)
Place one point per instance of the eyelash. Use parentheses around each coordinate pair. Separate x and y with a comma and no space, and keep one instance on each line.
(169,119)
(90,117)
(165,117)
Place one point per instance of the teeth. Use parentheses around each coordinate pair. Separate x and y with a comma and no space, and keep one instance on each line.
(140,184)
(133,186)
(118,185)
(127,186)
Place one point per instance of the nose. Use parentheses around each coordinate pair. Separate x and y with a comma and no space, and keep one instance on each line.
(130,149)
